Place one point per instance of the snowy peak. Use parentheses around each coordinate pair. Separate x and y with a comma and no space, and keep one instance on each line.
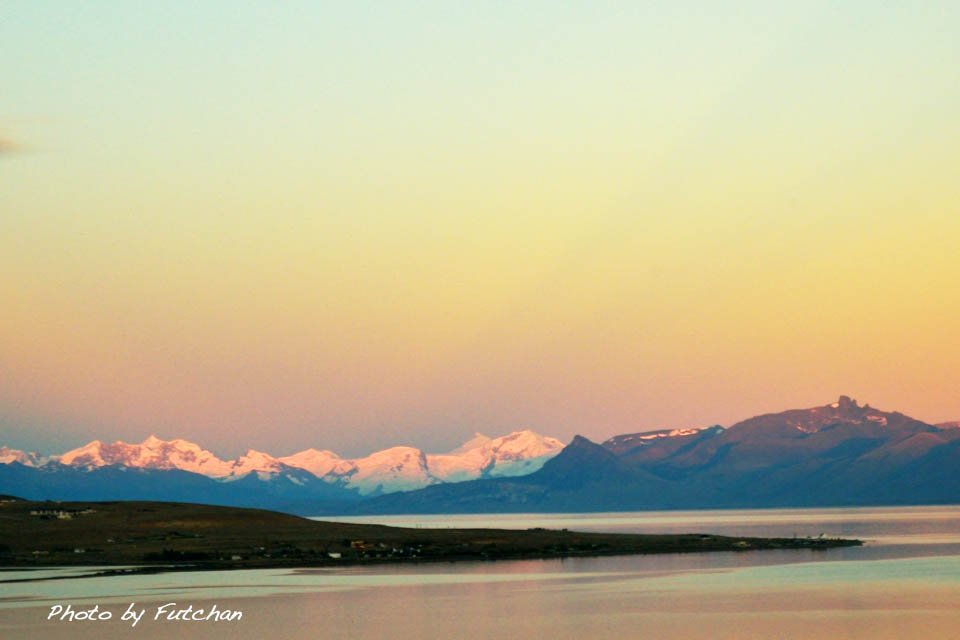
(257,461)
(89,455)
(395,469)
(26,458)
(520,445)
(517,453)
(629,441)
(408,468)
(397,458)
(318,462)
(152,453)
(477,441)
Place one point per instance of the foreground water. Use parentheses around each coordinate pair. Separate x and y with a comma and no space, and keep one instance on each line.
(905,582)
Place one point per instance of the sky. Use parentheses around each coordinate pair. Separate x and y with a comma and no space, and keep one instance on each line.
(357,225)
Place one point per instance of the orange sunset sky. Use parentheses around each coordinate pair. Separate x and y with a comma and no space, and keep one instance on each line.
(351,227)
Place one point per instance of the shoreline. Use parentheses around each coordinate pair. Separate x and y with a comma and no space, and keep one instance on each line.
(154,537)
(819,544)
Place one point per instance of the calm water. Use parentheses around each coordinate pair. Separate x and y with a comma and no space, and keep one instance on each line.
(905,583)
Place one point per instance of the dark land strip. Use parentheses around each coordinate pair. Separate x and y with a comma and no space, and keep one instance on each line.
(147,537)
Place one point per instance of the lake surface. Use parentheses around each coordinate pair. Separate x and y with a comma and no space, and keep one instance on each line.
(904,583)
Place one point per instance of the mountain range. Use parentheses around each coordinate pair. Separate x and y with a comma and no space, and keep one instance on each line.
(187,471)
(838,454)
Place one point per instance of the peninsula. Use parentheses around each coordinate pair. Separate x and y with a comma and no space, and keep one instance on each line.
(171,536)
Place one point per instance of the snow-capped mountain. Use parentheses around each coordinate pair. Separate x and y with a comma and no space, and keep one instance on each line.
(837,454)
(316,461)
(393,469)
(265,466)
(387,471)
(515,454)
(152,453)
(631,441)
(407,468)
(26,458)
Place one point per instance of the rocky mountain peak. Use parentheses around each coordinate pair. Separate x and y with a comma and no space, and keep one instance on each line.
(846,402)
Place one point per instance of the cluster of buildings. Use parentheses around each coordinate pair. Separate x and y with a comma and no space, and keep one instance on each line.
(60,514)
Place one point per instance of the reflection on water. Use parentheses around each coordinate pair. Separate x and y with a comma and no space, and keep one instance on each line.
(925,530)
(905,582)
(850,522)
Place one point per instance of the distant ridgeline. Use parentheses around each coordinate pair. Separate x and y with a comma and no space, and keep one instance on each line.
(306,482)
(841,454)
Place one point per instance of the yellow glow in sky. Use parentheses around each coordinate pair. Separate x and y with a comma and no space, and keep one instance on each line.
(354,227)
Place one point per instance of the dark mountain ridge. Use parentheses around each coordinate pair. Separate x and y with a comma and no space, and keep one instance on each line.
(295,493)
(840,454)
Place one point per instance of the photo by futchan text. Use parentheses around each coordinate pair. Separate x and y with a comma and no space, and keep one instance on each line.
(171,611)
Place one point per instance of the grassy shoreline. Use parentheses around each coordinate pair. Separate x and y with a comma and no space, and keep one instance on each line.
(166,536)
